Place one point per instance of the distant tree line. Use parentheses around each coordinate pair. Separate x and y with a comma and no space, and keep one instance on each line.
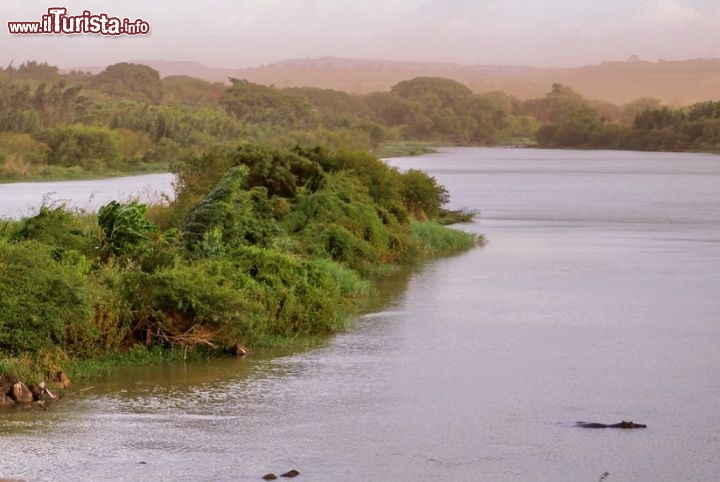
(569,120)
(127,118)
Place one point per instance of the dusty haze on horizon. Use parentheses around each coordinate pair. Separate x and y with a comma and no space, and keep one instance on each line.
(236,33)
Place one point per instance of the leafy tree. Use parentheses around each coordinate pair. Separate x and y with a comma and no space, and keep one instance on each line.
(631,110)
(441,92)
(229,216)
(190,91)
(559,103)
(423,195)
(576,129)
(33,70)
(130,81)
(659,118)
(17,113)
(125,229)
(93,148)
(331,103)
(259,104)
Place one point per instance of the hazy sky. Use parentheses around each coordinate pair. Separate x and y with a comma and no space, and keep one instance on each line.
(243,33)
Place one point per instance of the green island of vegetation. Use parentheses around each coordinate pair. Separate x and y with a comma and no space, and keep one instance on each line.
(261,246)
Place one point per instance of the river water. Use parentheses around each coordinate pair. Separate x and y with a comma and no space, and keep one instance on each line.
(596,300)
(25,198)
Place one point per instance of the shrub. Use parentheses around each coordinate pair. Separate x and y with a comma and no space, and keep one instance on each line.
(57,227)
(229,216)
(46,302)
(341,221)
(93,148)
(286,296)
(247,296)
(422,194)
(124,226)
(184,305)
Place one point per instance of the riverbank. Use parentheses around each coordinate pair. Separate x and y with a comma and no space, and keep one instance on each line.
(408,148)
(244,257)
(430,238)
(11,173)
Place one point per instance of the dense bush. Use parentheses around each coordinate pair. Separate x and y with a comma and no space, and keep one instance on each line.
(249,296)
(340,221)
(182,305)
(230,216)
(46,303)
(126,80)
(93,148)
(423,195)
(285,296)
(125,230)
(58,227)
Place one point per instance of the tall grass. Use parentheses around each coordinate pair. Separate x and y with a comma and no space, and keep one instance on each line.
(350,283)
(433,239)
(407,148)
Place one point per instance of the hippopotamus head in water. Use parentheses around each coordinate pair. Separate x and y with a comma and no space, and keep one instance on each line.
(622,424)
(625,424)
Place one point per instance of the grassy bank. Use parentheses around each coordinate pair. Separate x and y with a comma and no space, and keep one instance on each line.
(76,173)
(261,247)
(434,239)
(407,148)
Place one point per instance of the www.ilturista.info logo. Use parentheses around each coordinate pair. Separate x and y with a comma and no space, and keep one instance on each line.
(58,22)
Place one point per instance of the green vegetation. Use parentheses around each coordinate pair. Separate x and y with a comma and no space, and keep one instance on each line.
(407,148)
(262,245)
(572,121)
(267,241)
(433,239)
(127,119)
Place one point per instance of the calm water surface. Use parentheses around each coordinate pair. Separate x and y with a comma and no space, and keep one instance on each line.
(24,198)
(595,300)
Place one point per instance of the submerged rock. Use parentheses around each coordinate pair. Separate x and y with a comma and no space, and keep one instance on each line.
(62,379)
(21,393)
(14,392)
(239,350)
(6,383)
(40,392)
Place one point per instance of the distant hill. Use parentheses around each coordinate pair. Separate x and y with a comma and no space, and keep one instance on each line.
(673,82)
(168,68)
